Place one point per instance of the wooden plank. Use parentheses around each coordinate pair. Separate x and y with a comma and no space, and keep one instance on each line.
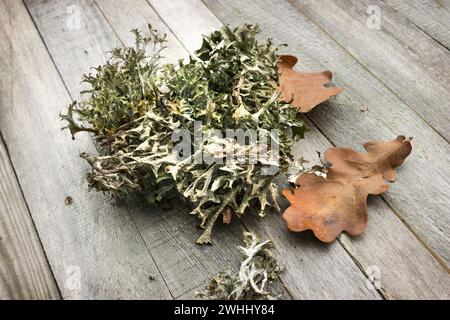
(312,270)
(178,14)
(122,18)
(410,63)
(24,270)
(186,266)
(94,249)
(387,250)
(365,111)
(407,269)
(433,17)
(171,234)
(168,235)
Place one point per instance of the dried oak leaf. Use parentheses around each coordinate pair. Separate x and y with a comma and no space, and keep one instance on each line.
(303,90)
(337,203)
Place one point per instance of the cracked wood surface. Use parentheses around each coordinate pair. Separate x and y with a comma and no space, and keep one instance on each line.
(366,110)
(144,252)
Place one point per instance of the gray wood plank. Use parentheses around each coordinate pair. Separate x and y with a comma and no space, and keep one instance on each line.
(122,18)
(433,17)
(409,62)
(179,16)
(312,269)
(365,111)
(94,249)
(172,232)
(24,270)
(138,12)
(168,235)
(407,287)
(407,269)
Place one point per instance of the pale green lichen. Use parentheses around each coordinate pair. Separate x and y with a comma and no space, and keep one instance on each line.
(257,273)
(134,106)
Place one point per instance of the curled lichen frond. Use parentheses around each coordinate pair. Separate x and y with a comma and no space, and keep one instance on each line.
(258,270)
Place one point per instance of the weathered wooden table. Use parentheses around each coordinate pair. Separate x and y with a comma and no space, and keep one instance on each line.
(391,57)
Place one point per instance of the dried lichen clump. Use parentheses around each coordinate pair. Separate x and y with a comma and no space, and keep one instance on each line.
(258,271)
(229,84)
(135,108)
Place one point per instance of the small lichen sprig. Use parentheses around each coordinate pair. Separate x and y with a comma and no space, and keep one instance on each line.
(257,273)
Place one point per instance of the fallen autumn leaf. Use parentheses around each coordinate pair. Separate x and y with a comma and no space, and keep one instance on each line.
(337,203)
(303,90)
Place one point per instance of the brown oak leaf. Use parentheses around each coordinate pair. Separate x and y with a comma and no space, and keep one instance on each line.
(337,203)
(303,90)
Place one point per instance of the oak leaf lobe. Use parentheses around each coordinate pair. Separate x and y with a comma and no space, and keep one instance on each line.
(303,90)
(337,203)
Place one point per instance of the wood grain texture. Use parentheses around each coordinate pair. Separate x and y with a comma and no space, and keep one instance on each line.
(365,111)
(433,16)
(137,14)
(24,270)
(409,62)
(407,268)
(188,20)
(165,238)
(168,235)
(312,270)
(94,249)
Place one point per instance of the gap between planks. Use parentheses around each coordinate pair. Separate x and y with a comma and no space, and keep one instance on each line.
(194,45)
(429,157)
(340,285)
(410,242)
(302,8)
(171,272)
(25,271)
(432,17)
(189,45)
(65,232)
(96,148)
